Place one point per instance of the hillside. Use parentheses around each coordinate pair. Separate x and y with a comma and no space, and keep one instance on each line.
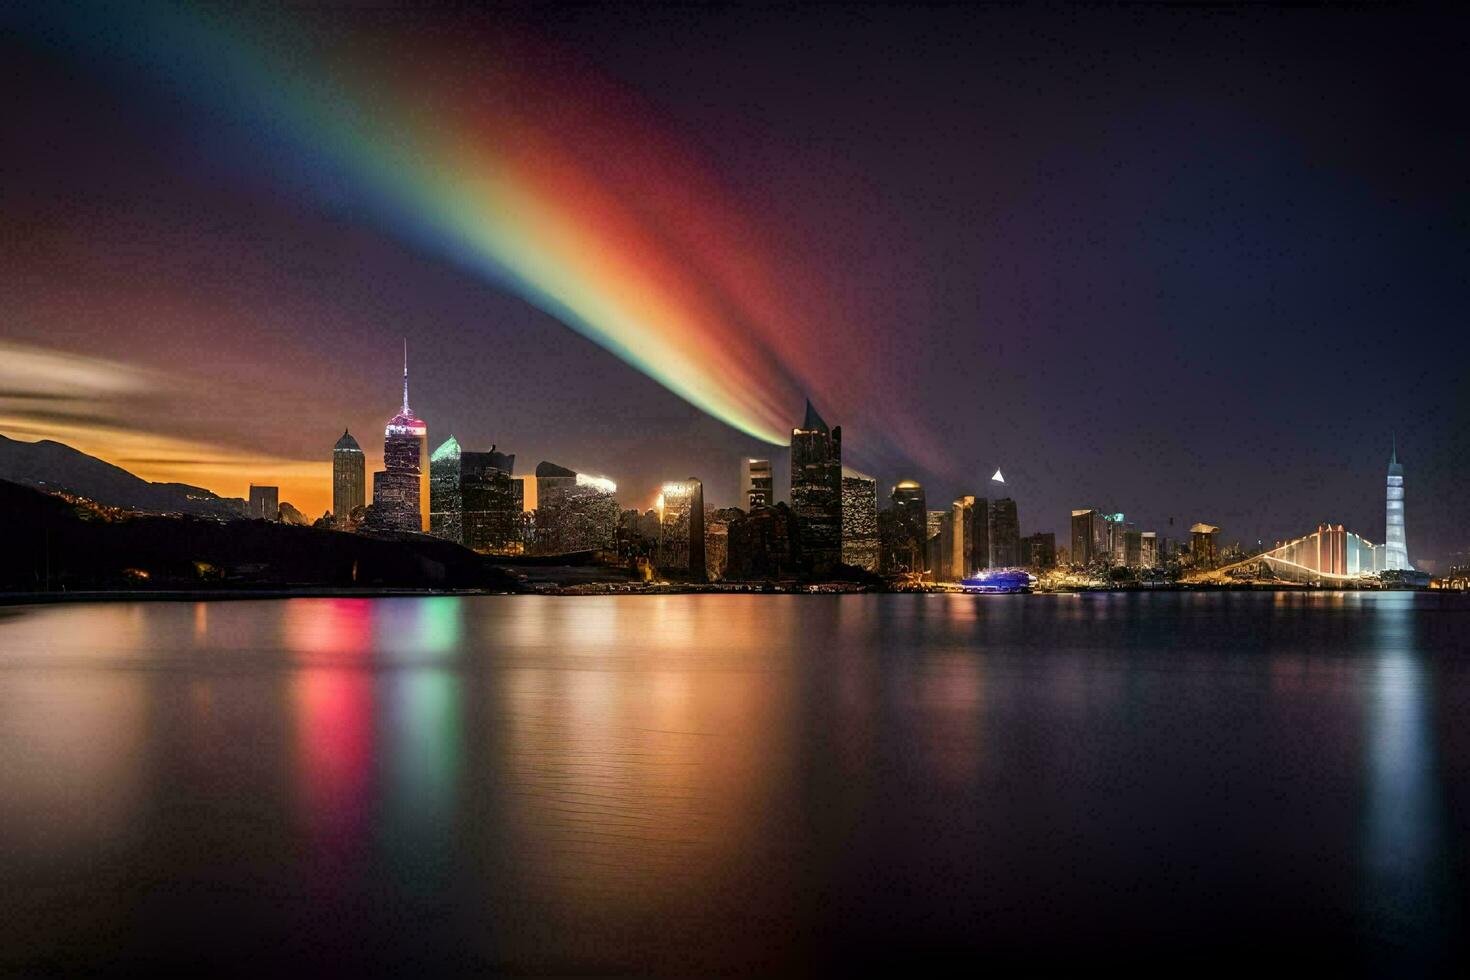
(51,544)
(48,465)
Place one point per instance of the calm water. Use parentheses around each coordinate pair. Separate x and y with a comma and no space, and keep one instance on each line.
(697,783)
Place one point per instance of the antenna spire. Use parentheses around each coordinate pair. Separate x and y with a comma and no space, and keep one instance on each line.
(405,375)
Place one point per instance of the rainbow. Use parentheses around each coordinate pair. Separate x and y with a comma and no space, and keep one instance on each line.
(498,155)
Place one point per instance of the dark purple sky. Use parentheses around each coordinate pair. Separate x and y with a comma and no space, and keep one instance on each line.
(1186,263)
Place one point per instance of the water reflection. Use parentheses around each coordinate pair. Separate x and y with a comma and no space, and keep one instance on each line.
(697,784)
(1404,857)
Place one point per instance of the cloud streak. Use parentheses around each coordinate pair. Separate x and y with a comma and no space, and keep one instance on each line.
(120,412)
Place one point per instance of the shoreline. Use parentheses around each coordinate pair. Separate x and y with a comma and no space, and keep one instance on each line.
(773,589)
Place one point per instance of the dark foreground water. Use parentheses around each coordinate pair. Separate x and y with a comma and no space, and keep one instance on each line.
(693,784)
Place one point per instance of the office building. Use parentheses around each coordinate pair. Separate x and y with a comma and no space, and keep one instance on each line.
(816,491)
(574,511)
(1204,549)
(756,486)
(397,489)
(860,521)
(446,505)
(1039,551)
(1090,537)
(1005,534)
(264,502)
(492,501)
(349,481)
(681,529)
(1148,550)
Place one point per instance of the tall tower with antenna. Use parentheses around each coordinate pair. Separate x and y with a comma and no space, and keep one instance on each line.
(1395,545)
(398,487)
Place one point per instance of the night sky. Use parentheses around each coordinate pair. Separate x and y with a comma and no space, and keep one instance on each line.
(1185,263)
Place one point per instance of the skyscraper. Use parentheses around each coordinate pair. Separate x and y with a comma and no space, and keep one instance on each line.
(349,479)
(1395,544)
(1148,549)
(492,501)
(860,521)
(1039,551)
(1005,534)
(681,529)
(756,487)
(816,490)
(264,502)
(397,497)
(960,556)
(574,511)
(1204,548)
(1090,541)
(912,509)
(446,503)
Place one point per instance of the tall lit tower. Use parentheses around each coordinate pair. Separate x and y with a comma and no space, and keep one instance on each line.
(816,490)
(349,479)
(1395,545)
(397,490)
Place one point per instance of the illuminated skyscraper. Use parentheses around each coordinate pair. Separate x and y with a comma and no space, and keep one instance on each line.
(755,483)
(960,556)
(492,501)
(903,530)
(816,490)
(1148,549)
(264,502)
(860,521)
(1090,539)
(681,529)
(446,503)
(349,479)
(1395,544)
(397,496)
(1204,548)
(574,511)
(912,509)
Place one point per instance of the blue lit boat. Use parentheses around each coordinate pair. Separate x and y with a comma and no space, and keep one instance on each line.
(998,580)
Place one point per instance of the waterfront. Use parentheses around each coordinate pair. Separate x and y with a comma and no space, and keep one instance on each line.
(695,783)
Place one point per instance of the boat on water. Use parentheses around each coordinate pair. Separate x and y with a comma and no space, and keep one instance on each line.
(999,580)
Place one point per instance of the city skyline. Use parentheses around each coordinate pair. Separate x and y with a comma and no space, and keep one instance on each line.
(1061,324)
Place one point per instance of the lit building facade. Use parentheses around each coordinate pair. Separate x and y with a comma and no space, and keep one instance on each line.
(492,501)
(681,529)
(1148,549)
(756,486)
(1204,547)
(911,508)
(397,489)
(574,511)
(816,490)
(349,480)
(860,521)
(1089,537)
(1395,541)
(446,505)
(1129,550)
(717,540)
(964,554)
(264,502)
